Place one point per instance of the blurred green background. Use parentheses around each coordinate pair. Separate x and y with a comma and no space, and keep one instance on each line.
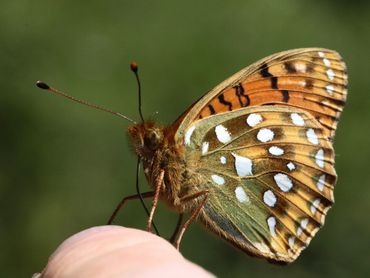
(63,167)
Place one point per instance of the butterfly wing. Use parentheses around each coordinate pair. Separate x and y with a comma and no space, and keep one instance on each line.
(270,176)
(261,143)
(312,79)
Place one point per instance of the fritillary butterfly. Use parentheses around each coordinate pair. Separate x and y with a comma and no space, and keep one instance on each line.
(253,158)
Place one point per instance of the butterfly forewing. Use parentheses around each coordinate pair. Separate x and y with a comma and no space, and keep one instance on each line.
(312,79)
(269,171)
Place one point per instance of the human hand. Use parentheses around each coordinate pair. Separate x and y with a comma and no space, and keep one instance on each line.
(115,251)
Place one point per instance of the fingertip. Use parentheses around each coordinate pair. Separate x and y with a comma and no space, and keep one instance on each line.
(106,251)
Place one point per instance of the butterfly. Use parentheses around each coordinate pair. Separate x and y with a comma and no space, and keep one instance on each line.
(253,158)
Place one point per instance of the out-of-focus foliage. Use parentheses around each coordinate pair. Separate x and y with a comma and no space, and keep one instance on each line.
(63,167)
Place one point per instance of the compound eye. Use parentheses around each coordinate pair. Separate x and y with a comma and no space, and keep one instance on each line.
(151,140)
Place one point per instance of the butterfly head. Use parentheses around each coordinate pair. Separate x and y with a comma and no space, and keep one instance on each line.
(146,139)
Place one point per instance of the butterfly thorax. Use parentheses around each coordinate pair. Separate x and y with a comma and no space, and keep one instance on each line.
(158,151)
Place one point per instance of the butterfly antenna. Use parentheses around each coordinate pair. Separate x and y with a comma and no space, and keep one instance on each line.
(44,86)
(135,69)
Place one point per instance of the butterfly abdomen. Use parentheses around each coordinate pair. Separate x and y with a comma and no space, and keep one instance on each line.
(180,179)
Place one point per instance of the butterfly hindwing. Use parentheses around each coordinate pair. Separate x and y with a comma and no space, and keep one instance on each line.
(270,176)
(261,144)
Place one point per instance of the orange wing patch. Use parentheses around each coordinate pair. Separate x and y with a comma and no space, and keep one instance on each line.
(315,81)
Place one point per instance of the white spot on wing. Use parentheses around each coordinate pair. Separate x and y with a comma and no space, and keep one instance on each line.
(271,221)
(330,89)
(283,182)
(330,73)
(326,62)
(291,166)
(321,54)
(321,182)
(303,226)
(297,119)
(276,151)
(291,241)
(269,198)
(300,67)
(223,160)
(222,134)
(315,205)
(299,231)
(325,102)
(304,223)
(205,147)
(218,179)
(319,157)
(311,136)
(188,134)
(241,195)
(243,165)
(254,119)
(302,83)
(264,135)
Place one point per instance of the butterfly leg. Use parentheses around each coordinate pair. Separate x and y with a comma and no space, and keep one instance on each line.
(194,214)
(177,229)
(158,186)
(128,198)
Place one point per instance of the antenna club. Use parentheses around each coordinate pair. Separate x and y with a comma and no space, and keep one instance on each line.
(42,85)
(134,67)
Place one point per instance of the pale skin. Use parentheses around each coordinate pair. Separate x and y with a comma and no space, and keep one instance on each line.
(115,251)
